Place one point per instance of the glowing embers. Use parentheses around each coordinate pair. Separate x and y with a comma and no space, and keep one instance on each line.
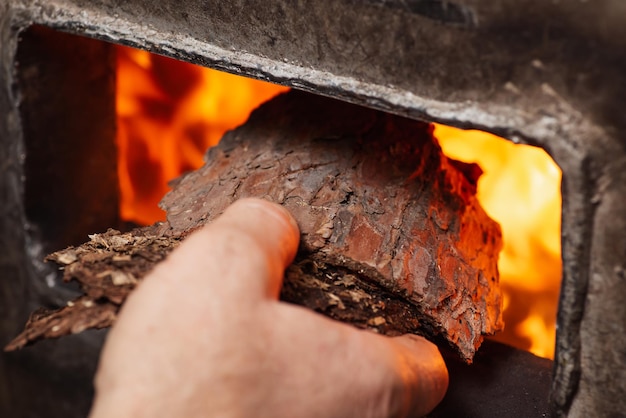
(168,114)
(520,189)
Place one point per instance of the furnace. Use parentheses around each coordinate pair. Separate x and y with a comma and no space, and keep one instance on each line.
(546,74)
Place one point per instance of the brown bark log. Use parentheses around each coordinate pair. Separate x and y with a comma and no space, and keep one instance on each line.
(393,237)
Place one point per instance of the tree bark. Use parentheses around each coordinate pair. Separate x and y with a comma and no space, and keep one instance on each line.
(393,238)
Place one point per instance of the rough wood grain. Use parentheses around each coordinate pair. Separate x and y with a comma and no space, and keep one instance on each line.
(393,237)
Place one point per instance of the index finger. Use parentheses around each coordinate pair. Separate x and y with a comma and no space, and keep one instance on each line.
(244,251)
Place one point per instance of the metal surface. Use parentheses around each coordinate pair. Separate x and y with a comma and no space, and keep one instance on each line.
(502,382)
(548,73)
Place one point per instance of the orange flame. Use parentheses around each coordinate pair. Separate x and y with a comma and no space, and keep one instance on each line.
(170,112)
(520,189)
(166,120)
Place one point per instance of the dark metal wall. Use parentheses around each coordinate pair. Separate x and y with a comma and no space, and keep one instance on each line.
(58,183)
(547,73)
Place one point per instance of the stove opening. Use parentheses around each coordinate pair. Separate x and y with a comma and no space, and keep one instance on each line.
(107,127)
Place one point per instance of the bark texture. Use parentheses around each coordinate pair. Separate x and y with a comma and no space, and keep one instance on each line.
(393,237)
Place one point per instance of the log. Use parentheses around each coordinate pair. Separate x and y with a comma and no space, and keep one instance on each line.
(393,238)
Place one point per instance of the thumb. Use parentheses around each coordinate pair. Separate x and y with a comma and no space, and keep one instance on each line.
(353,373)
(424,374)
(408,371)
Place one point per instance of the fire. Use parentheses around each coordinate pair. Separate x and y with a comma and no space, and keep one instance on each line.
(520,189)
(166,120)
(170,112)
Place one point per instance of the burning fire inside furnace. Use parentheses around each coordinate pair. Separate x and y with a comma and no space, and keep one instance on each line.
(170,112)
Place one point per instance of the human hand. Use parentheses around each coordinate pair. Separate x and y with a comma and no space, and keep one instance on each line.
(205,336)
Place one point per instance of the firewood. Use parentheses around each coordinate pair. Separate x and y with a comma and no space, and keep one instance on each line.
(393,237)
